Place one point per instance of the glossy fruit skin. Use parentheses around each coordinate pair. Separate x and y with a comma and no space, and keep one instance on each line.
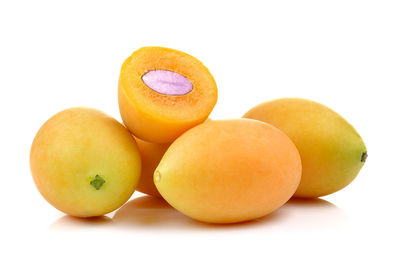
(227,171)
(331,150)
(151,154)
(161,118)
(73,148)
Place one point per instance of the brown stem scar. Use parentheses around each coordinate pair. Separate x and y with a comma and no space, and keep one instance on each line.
(364,157)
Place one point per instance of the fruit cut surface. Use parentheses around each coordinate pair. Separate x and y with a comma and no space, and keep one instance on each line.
(164,92)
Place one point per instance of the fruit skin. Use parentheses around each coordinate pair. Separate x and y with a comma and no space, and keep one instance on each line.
(73,148)
(227,171)
(331,150)
(151,154)
(161,118)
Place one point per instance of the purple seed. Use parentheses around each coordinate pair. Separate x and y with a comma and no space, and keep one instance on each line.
(167,82)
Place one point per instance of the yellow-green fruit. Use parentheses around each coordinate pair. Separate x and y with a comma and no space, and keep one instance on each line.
(84,162)
(331,150)
(225,171)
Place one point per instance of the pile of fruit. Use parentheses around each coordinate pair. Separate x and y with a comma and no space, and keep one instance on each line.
(86,163)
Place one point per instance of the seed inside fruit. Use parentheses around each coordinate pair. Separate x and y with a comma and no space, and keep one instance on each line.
(97,182)
(163,92)
(167,82)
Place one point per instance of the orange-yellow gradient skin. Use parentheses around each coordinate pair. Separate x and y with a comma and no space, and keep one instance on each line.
(161,118)
(227,171)
(74,146)
(331,150)
(151,154)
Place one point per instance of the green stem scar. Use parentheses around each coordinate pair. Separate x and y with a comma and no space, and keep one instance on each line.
(364,157)
(97,182)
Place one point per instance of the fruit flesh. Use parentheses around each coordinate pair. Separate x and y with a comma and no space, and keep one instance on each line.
(331,150)
(84,162)
(183,96)
(226,171)
(151,154)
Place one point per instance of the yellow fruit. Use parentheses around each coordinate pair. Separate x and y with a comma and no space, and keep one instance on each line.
(331,150)
(84,162)
(226,171)
(164,92)
(151,154)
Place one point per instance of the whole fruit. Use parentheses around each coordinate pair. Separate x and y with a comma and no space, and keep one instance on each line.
(84,162)
(331,150)
(226,171)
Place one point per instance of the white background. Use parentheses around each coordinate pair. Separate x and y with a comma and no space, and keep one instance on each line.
(345,54)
